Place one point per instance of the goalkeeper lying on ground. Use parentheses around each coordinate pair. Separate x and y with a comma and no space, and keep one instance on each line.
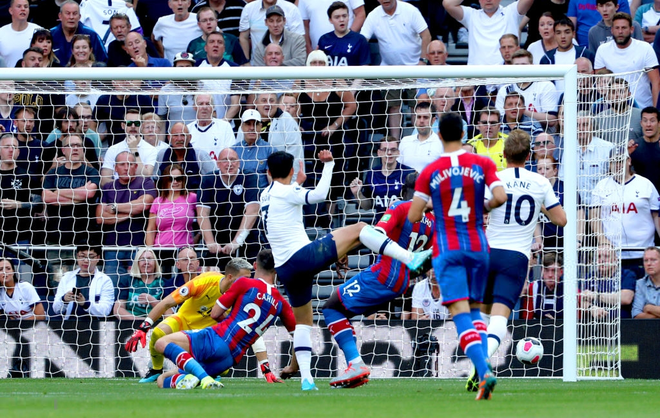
(198,297)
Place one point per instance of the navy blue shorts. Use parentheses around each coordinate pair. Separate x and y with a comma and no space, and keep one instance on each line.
(506,277)
(210,350)
(461,275)
(297,274)
(363,294)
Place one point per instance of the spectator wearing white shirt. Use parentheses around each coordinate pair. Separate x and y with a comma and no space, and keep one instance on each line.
(209,134)
(418,151)
(173,33)
(626,54)
(315,18)
(486,26)
(427,299)
(15,37)
(144,152)
(253,22)
(403,37)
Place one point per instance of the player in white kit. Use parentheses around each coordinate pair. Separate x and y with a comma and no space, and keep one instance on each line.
(297,259)
(510,234)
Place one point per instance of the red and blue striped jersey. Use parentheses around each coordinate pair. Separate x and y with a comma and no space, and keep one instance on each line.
(254,305)
(414,237)
(456,183)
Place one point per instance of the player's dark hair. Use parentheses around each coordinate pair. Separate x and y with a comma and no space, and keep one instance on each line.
(551,258)
(564,21)
(451,127)
(651,110)
(280,164)
(336,6)
(517,146)
(409,186)
(616,2)
(623,16)
(266,261)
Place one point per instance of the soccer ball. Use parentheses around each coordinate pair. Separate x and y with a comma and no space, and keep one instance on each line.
(529,350)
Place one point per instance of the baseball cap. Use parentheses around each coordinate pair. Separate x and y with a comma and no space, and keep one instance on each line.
(184,56)
(251,114)
(274,10)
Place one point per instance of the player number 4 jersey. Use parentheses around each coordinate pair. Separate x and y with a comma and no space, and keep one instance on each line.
(456,183)
(511,226)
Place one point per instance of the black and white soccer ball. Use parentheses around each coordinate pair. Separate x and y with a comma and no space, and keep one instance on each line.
(529,350)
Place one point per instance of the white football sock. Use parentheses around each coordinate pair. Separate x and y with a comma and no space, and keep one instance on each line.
(379,243)
(302,345)
(496,333)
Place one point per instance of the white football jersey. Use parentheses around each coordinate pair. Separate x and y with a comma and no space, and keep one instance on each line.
(540,96)
(21,303)
(97,13)
(625,211)
(212,138)
(282,214)
(511,226)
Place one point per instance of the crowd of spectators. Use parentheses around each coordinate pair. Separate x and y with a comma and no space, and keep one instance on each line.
(152,164)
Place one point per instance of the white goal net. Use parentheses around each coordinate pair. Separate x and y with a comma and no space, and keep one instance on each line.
(100,166)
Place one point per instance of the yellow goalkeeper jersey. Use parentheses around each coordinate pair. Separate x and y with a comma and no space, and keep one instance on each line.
(198,297)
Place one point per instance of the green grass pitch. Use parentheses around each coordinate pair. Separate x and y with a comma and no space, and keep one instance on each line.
(426,398)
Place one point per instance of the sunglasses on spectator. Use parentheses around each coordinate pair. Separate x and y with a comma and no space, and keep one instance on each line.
(489,122)
(389,150)
(178,178)
(133,123)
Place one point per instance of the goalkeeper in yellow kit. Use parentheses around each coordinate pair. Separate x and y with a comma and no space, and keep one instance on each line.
(197,298)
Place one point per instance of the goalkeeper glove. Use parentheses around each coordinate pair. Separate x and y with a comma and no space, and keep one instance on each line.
(139,336)
(270,377)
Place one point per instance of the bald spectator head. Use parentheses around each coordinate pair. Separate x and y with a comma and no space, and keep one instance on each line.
(436,53)
(273,55)
(228,163)
(125,166)
(135,45)
(509,44)
(584,66)
(179,136)
(187,263)
(443,98)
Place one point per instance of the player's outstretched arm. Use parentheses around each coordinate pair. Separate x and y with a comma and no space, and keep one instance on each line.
(320,192)
(140,335)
